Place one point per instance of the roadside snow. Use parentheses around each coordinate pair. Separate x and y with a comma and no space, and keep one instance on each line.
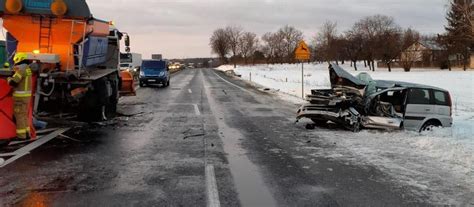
(440,164)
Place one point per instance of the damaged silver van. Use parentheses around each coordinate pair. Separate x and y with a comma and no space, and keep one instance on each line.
(361,102)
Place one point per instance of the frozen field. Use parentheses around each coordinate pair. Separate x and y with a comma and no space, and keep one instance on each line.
(440,164)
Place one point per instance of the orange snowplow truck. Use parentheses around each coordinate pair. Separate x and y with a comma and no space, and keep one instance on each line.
(77,55)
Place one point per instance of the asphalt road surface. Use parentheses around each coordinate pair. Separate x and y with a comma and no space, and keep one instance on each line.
(207,140)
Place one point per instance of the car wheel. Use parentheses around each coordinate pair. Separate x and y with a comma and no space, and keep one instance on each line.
(430,126)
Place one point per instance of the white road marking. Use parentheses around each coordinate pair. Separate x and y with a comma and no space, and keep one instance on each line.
(190,91)
(211,186)
(231,83)
(196,110)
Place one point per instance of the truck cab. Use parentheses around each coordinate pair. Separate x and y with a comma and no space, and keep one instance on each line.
(154,72)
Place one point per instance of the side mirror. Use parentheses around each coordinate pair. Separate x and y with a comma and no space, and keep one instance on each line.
(127,40)
(127,43)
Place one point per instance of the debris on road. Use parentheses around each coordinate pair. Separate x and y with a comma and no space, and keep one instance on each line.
(10,157)
(194,135)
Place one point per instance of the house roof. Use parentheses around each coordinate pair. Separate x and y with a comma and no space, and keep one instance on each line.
(431,44)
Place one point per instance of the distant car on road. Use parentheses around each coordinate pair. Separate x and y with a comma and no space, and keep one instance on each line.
(362,102)
(154,72)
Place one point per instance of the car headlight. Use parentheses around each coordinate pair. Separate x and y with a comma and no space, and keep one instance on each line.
(142,73)
(162,73)
(135,70)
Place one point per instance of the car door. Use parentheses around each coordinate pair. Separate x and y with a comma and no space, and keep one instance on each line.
(384,109)
(418,107)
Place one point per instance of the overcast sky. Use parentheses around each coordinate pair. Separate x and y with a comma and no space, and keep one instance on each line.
(181,28)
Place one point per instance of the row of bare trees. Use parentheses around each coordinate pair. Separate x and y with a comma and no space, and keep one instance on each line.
(233,43)
(372,38)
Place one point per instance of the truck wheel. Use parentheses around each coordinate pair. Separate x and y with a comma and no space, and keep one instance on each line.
(96,106)
(111,106)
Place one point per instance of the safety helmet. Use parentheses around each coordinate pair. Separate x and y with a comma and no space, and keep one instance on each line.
(6,65)
(19,57)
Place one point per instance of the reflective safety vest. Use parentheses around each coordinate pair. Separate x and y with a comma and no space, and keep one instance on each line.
(23,78)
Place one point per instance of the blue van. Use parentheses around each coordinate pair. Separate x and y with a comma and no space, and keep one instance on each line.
(154,72)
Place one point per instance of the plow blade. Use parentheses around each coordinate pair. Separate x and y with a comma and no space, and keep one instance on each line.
(128,84)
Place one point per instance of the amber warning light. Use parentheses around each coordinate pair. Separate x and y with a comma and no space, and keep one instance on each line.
(58,8)
(13,6)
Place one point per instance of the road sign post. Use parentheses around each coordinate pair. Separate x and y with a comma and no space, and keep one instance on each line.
(302,79)
(302,54)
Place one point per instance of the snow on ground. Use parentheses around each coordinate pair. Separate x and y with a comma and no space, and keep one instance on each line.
(440,164)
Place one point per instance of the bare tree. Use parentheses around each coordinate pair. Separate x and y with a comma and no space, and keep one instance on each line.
(372,28)
(291,37)
(248,44)
(325,41)
(410,56)
(219,43)
(234,33)
(354,46)
(390,46)
(410,37)
(411,50)
(269,46)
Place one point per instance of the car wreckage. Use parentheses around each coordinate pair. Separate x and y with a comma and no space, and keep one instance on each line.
(361,102)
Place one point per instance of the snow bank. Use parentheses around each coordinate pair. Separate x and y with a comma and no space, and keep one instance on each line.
(440,163)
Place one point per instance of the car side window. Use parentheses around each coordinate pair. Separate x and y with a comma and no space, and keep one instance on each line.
(419,96)
(441,98)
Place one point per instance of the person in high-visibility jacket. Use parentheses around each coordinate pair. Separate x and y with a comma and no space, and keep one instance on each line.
(22,83)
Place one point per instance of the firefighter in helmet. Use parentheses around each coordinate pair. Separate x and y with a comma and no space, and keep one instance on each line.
(22,83)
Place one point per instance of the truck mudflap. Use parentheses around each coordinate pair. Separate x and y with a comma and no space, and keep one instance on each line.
(128,84)
(7,125)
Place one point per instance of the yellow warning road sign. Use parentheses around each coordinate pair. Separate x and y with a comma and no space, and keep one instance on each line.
(302,52)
